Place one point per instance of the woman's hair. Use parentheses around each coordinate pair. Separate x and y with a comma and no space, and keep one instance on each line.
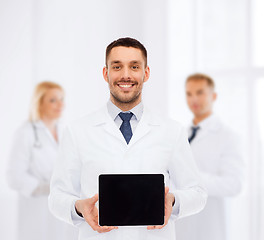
(38,96)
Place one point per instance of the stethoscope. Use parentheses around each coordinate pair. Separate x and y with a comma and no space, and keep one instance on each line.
(37,143)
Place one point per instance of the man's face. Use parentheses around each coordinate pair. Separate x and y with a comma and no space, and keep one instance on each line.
(200,97)
(125,73)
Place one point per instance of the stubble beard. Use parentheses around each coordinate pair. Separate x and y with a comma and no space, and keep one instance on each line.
(119,100)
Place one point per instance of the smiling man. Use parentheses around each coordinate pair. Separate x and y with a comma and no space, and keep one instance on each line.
(126,71)
(124,138)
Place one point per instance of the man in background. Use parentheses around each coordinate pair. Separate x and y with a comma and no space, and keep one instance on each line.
(217,153)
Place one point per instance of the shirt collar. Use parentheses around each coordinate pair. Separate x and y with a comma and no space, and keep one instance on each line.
(206,123)
(113,110)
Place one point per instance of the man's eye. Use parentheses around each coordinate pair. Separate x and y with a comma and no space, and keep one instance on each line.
(116,67)
(53,100)
(135,67)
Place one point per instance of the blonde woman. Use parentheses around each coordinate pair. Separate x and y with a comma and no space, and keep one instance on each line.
(31,162)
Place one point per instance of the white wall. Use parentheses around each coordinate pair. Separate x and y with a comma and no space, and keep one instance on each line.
(69,44)
(15,89)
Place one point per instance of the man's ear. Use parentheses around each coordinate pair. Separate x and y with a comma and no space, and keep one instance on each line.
(105,73)
(214,96)
(147,74)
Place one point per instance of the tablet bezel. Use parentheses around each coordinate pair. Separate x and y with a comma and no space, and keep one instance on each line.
(146,178)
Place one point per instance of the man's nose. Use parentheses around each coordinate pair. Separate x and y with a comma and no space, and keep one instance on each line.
(60,103)
(192,99)
(126,75)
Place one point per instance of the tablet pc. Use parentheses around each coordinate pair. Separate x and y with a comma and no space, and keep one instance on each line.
(131,199)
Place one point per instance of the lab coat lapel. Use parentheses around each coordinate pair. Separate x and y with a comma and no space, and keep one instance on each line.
(108,124)
(200,134)
(111,128)
(41,126)
(212,125)
(144,127)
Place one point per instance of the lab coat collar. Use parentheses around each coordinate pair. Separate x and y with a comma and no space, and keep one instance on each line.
(211,123)
(147,121)
(39,124)
(102,116)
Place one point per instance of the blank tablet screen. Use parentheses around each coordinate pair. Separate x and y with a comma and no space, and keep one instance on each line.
(131,199)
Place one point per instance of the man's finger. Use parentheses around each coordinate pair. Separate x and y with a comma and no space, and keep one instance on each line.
(150,227)
(100,229)
(166,221)
(93,225)
(105,229)
(94,199)
(166,190)
(160,226)
(156,227)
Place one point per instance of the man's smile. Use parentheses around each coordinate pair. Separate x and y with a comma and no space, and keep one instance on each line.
(126,86)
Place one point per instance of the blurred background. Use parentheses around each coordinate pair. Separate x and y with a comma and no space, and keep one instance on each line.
(64,41)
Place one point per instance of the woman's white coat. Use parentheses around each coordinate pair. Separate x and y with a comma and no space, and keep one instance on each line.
(30,167)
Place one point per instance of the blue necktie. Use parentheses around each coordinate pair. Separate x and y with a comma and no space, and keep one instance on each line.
(125,127)
(194,131)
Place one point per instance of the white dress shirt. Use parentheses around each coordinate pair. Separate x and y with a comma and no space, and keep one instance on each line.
(137,111)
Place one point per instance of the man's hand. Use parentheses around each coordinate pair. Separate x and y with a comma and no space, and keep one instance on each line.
(90,213)
(169,199)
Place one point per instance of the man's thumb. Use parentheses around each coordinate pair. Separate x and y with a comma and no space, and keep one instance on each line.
(166,190)
(94,199)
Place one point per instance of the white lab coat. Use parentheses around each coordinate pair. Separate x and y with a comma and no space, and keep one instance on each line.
(29,172)
(217,151)
(94,145)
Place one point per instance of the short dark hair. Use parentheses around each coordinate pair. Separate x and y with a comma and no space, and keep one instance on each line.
(126,42)
(199,77)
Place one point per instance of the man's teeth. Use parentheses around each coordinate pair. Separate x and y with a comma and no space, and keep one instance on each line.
(125,86)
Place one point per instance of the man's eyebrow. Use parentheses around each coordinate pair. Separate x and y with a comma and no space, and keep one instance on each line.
(135,61)
(116,61)
(131,62)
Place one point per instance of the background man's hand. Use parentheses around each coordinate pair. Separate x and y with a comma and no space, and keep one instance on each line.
(90,213)
(169,199)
